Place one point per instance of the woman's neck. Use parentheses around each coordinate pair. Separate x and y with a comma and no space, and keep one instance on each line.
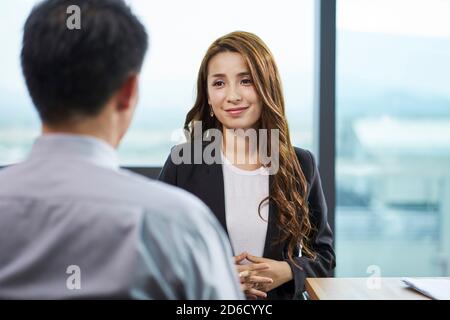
(240,147)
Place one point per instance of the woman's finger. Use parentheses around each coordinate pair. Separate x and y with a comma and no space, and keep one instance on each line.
(244,274)
(258,266)
(251,269)
(239,258)
(255,258)
(258,279)
(242,267)
(258,293)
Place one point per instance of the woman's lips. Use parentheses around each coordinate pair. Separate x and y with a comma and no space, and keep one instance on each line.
(236,111)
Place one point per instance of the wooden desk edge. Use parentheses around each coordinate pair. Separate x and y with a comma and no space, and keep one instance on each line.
(315,291)
(311,290)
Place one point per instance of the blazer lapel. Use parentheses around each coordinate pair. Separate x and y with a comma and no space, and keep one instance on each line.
(214,192)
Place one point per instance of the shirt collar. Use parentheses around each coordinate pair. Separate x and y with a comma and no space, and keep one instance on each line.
(75,146)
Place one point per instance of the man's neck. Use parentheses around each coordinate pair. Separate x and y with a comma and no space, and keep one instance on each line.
(85,129)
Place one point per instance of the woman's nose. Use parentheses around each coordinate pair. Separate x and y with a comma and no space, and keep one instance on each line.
(233,95)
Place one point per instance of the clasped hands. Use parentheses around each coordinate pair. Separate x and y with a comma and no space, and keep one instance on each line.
(261,275)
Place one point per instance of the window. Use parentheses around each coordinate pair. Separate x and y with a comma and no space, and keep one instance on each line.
(180,33)
(393,137)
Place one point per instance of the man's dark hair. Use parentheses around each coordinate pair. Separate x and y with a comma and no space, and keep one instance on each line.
(72,73)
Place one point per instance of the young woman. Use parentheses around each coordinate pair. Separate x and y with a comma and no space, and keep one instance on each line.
(276,220)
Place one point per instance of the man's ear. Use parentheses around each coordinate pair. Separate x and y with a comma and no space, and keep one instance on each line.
(127,93)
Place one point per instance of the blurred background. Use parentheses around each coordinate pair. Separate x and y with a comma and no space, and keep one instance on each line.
(392,163)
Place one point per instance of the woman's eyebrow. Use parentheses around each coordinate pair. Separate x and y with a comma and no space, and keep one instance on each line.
(218,75)
(223,75)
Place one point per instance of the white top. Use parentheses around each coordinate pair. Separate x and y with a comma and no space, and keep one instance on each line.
(244,191)
(69,204)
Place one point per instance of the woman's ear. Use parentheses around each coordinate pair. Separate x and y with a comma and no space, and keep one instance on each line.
(207,96)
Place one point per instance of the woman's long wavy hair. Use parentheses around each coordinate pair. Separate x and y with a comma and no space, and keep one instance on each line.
(288,190)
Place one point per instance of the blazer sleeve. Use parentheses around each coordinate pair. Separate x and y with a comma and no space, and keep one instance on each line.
(321,241)
(168,173)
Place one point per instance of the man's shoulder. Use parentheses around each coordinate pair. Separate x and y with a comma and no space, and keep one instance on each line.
(84,182)
(160,198)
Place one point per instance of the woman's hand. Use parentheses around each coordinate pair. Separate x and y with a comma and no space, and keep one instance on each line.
(279,271)
(251,284)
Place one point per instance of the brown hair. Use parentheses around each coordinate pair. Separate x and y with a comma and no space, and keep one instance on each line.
(289,188)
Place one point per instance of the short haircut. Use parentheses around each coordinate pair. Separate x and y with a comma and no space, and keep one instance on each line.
(73,72)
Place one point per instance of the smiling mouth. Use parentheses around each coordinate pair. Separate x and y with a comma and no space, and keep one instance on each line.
(236,111)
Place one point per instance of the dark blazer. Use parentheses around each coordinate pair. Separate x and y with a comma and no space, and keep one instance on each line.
(206,182)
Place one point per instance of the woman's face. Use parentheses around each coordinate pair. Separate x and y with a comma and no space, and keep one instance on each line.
(231,92)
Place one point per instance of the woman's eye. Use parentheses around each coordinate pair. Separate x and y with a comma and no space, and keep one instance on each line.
(218,84)
(246,81)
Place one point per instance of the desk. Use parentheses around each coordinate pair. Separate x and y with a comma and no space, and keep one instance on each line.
(357,289)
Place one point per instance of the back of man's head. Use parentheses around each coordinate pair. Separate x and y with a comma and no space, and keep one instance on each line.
(73,72)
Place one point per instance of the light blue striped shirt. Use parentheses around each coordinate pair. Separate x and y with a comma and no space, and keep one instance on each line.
(75,225)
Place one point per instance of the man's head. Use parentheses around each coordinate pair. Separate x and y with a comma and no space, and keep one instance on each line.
(76,75)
